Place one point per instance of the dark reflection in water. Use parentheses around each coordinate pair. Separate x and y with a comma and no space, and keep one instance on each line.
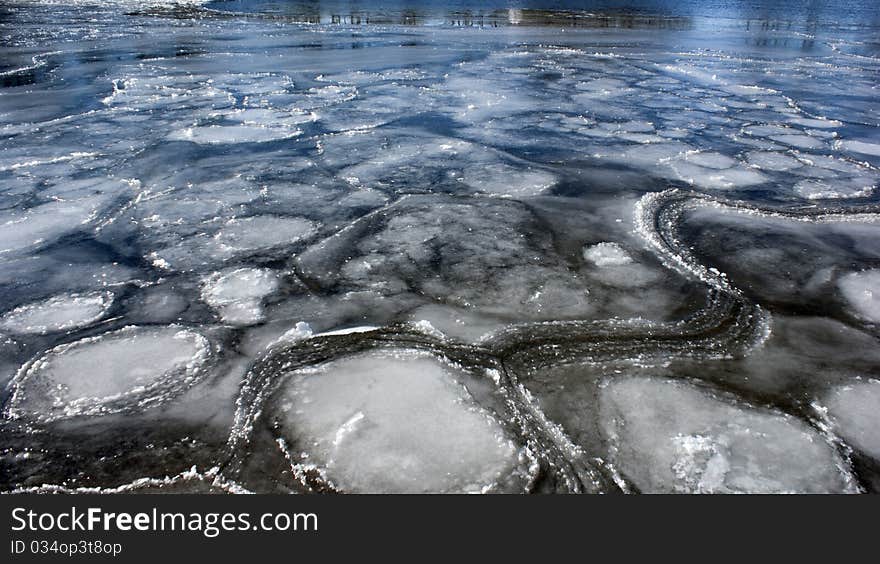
(313,13)
(486,14)
(643,14)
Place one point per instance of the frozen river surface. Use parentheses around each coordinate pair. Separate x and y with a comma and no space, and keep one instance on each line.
(300,246)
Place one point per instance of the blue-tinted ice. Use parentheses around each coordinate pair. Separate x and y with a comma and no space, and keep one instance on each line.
(416,247)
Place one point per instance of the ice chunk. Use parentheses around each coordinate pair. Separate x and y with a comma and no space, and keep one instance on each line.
(45,223)
(58,313)
(477,99)
(236,237)
(488,256)
(157,304)
(863,147)
(654,154)
(824,163)
(606,254)
(862,291)
(736,177)
(230,134)
(395,421)
(816,189)
(855,411)
(237,294)
(767,130)
(771,160)
(457,323)
(747,90)
(300,331)
(670,436)
(816,123)
(710,160)
(132,368)
(262,232)
(506,180)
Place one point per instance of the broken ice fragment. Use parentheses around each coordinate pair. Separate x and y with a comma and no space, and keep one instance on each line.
(862,291)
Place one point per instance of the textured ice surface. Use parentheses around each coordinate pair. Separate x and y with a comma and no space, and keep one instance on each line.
(716,177)
(855,411)
(861,290)
(457,323)
(58,313)
(507,180)
(395,421)
(236,237)
(670,436)
(237,294)
(787,261)
(710,160)
(862,147)
(257,125)
(277,182)
(394,159)
(832,189)
(158,304)
(770,160)
(253,233)
(42,224)
(481,255)
(231,134)
(134,367)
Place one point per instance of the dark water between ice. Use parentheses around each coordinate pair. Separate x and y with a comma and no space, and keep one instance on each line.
(440,246)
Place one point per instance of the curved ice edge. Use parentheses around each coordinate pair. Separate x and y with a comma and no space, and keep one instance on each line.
(657,215)
(820,420)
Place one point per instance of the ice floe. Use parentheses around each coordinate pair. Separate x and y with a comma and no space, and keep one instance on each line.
(58,313)
(300,193)
(861,290)
(671,436)
(854,410)
(132,368)
(44,223)
(394,421)
(438,248)
(862,147)
(607,254)
(237,294)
